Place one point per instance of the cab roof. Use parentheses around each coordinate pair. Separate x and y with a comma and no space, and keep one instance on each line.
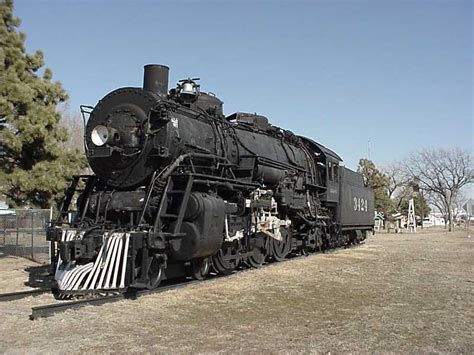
(326,151)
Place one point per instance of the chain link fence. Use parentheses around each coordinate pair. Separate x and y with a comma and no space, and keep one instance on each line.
(23,233)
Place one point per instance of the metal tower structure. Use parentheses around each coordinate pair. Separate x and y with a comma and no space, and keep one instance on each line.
(411,216)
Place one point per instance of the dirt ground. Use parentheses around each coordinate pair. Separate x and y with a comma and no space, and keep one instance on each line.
(395,293)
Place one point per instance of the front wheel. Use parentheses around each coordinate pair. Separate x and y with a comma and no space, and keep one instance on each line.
(155,273)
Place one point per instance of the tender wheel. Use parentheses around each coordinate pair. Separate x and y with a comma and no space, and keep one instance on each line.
(200,268)
(281,249)
(155,273)
(226,260)
(259,252)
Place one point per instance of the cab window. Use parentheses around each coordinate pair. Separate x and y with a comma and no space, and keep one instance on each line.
(333,172)
(330,172)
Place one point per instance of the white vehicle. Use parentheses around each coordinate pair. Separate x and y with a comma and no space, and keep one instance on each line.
(427,222)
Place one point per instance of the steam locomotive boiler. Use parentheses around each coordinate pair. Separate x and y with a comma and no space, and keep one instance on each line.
(180,189)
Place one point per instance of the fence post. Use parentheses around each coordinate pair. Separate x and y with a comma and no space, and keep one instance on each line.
(32,234)
(50,243)
(17,232)
(4,229)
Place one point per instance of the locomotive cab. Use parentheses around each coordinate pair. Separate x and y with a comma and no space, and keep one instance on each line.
(332,180)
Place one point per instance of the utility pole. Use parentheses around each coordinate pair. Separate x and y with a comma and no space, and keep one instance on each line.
(368,149)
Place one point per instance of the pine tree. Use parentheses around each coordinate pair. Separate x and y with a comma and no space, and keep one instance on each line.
(34,169)
(380,183)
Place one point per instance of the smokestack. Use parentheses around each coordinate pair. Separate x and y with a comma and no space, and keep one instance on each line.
(155,79)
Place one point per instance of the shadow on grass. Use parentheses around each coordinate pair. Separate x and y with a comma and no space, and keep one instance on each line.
(39,276)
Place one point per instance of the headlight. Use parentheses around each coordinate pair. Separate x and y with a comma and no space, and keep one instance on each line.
(99,135)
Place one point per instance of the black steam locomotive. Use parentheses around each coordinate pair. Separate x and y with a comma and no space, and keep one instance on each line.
(180,189)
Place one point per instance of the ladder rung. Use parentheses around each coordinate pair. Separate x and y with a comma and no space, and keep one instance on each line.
(174,234)
(169,215)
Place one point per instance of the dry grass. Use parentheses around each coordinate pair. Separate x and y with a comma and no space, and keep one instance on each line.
(396,293)
(17,273)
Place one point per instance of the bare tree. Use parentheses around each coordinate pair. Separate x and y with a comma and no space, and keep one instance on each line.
(443,173)
(401,186)
(438,202)
(72,121)
(397,178)
(74,124)
(458,205)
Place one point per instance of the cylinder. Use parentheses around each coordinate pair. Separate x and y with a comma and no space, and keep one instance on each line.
(155,79)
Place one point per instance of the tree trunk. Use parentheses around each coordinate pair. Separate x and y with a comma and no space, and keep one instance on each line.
(421,208)
(450,217)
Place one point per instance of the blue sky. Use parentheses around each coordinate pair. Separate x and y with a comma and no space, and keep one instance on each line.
(397,73)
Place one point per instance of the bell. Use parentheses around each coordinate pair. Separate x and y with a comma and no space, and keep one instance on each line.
(188,92)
